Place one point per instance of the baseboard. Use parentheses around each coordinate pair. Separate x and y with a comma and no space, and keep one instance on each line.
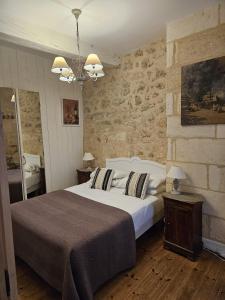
(214,246)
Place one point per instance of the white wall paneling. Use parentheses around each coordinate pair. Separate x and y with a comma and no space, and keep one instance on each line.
(63,146)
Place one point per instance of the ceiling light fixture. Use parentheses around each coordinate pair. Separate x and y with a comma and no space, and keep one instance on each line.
(92,69)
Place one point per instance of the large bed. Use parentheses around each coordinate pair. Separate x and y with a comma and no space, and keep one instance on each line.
(78,238)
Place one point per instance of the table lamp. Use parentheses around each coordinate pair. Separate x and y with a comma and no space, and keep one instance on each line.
(177,174)
(88,157)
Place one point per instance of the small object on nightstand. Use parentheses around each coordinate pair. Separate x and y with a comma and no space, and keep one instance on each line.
(88,158)
(83,175)
(183,223)
(176,173)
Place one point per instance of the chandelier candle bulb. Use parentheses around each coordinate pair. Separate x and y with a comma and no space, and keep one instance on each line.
(59,65)
(67,76)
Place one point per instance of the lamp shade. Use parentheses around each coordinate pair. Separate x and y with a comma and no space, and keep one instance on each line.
(96,74)
(67,76)
(176,173)
(93,63)
(88,156)
(59,65)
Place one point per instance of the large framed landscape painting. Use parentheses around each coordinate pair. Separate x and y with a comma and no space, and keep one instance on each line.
(70,112)
(203,92)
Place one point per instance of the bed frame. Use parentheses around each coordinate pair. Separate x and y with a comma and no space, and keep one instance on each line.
(137,165)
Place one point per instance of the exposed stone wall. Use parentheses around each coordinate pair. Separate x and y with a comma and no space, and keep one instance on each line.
(30,116)
(10,128)
(124,112)
(199,150)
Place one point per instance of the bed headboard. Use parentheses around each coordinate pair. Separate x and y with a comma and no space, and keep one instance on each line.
(137,165)
(33,159)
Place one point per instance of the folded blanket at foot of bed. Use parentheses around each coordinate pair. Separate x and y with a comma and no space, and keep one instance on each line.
(74,243)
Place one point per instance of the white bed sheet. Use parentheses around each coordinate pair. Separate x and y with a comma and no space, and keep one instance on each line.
(31,179)
(144,213)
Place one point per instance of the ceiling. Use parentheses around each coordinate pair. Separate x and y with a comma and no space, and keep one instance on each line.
(113,27)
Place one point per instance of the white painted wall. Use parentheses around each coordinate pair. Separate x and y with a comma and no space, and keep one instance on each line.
(63,146)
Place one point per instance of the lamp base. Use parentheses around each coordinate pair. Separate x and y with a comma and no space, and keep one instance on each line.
(176,185)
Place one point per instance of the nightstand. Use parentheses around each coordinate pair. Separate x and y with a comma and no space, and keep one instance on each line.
(183,223)
(83,175)
(42,181)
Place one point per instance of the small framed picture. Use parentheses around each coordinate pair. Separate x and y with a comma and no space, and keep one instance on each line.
(70,112)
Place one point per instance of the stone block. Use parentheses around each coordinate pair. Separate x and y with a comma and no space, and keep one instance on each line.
(174,129)
(220,132)
(169,104)
(173,78)
(178,103)
(209,151)
(214,204)
(170,54)
(171,150)
(222,12)
(217,229)
(196,174)
(217,178)
(201,46)
(200,21)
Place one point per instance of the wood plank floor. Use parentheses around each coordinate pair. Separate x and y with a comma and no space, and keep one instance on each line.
(158,275)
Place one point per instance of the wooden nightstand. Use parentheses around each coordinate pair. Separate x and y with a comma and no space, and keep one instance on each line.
(83,175)
(183,224)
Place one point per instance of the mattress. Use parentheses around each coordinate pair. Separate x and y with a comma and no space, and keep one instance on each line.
(31,179)
(144,213)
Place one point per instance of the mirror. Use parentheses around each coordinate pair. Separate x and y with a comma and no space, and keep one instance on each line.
(31,143)
(10,127)
(24,143)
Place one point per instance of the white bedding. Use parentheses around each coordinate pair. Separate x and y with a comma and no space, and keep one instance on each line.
(144,213)
(32,179)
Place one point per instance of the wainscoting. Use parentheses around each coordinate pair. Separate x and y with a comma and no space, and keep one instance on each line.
(63,146)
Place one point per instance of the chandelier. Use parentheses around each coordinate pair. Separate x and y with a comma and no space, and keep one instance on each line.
(92,69)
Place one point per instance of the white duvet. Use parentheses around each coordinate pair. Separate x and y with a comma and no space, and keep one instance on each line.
(144,213)
(31,179)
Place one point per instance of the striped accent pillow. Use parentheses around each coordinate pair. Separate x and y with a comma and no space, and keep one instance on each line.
(137,185)
(102,179)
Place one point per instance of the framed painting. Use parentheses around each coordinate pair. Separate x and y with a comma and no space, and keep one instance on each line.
(70,112)
(203,93)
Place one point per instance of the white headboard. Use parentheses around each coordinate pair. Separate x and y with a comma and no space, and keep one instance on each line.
(137,165)
(33,159)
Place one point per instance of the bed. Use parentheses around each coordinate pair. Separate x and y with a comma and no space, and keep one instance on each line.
(15,185)
(79,238)
(32,179)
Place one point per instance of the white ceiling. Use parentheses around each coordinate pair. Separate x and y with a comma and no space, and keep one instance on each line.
(114,27)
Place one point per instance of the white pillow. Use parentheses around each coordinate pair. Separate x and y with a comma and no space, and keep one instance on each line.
(116,175)
(155,181)
(160,189)
(28,167)
(120,183)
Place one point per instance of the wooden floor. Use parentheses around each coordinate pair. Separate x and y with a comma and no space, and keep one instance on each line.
(159,274)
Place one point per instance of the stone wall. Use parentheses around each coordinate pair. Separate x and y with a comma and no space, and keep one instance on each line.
(124,112)
(199,150)
(30,117)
